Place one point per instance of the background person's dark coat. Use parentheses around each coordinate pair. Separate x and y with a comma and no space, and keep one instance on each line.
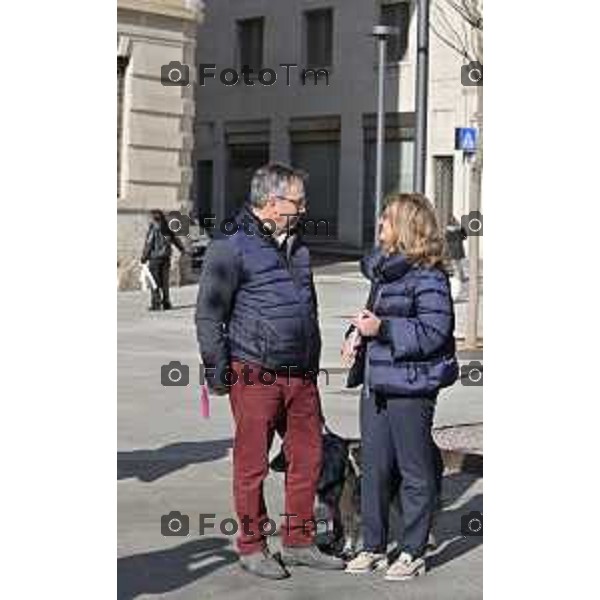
(157,245)
(455,237)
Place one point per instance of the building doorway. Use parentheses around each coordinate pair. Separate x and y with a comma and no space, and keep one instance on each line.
(243,161)
(315,148)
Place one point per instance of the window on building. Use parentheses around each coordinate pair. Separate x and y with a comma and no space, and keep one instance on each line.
(243,160)
(250,43)
(396,15)
(121,69)
(319,37)
(443,187)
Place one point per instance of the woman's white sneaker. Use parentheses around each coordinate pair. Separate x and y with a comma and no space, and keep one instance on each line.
(406,567)
(366,562)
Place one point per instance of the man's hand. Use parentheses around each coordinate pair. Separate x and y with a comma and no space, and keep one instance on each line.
(367,323)
(220,390)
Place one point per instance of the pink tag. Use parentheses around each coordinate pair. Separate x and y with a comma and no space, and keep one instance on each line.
(204,402)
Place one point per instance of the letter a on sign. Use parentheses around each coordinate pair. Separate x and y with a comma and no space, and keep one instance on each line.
(468,141)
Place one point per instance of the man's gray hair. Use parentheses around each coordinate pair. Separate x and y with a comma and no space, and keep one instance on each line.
(273,180)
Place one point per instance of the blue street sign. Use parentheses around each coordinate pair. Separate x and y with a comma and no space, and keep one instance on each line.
(465,139)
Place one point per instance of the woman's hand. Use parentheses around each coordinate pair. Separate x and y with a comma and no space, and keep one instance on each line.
(367,323)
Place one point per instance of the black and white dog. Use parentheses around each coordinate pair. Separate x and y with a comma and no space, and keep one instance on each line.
(338,493)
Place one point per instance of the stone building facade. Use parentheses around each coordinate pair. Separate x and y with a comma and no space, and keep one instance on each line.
(155,123)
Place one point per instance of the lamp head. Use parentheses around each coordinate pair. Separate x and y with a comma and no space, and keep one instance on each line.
(385,31)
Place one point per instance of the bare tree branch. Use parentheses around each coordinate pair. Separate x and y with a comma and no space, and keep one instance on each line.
(450,30)
(461,51)
(469,10)
(459,25)
(474,8)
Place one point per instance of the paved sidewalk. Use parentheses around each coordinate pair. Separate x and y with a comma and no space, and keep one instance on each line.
(169,458)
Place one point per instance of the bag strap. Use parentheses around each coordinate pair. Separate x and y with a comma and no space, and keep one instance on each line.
(371,296)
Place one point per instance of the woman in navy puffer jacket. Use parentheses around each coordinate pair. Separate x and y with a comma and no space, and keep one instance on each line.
(405,337)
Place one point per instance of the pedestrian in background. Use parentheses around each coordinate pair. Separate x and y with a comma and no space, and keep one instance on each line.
(455,238)
(408,347)
(157,253)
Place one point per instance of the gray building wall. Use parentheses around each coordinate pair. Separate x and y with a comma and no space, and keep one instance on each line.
(322,124)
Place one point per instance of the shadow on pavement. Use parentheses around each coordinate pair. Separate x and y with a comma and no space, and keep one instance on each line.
(451,543)
(150,465)
(167,570)
(454,485)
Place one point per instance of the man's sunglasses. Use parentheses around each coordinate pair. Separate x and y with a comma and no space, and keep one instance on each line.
(297,202)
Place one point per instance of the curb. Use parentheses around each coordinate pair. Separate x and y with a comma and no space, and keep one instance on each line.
(469,355)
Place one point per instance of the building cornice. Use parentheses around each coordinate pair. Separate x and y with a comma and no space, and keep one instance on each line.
(189,10)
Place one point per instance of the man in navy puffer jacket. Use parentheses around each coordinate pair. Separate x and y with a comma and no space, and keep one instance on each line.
(259,338)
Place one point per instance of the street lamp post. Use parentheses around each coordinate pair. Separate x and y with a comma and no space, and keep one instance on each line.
(381,33)
(420,160)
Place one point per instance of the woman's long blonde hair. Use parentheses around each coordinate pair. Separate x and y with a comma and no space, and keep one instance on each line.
(416,232)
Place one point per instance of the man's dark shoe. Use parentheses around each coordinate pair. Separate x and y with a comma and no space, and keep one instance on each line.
(264,565)
(310,556)
(167,306)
